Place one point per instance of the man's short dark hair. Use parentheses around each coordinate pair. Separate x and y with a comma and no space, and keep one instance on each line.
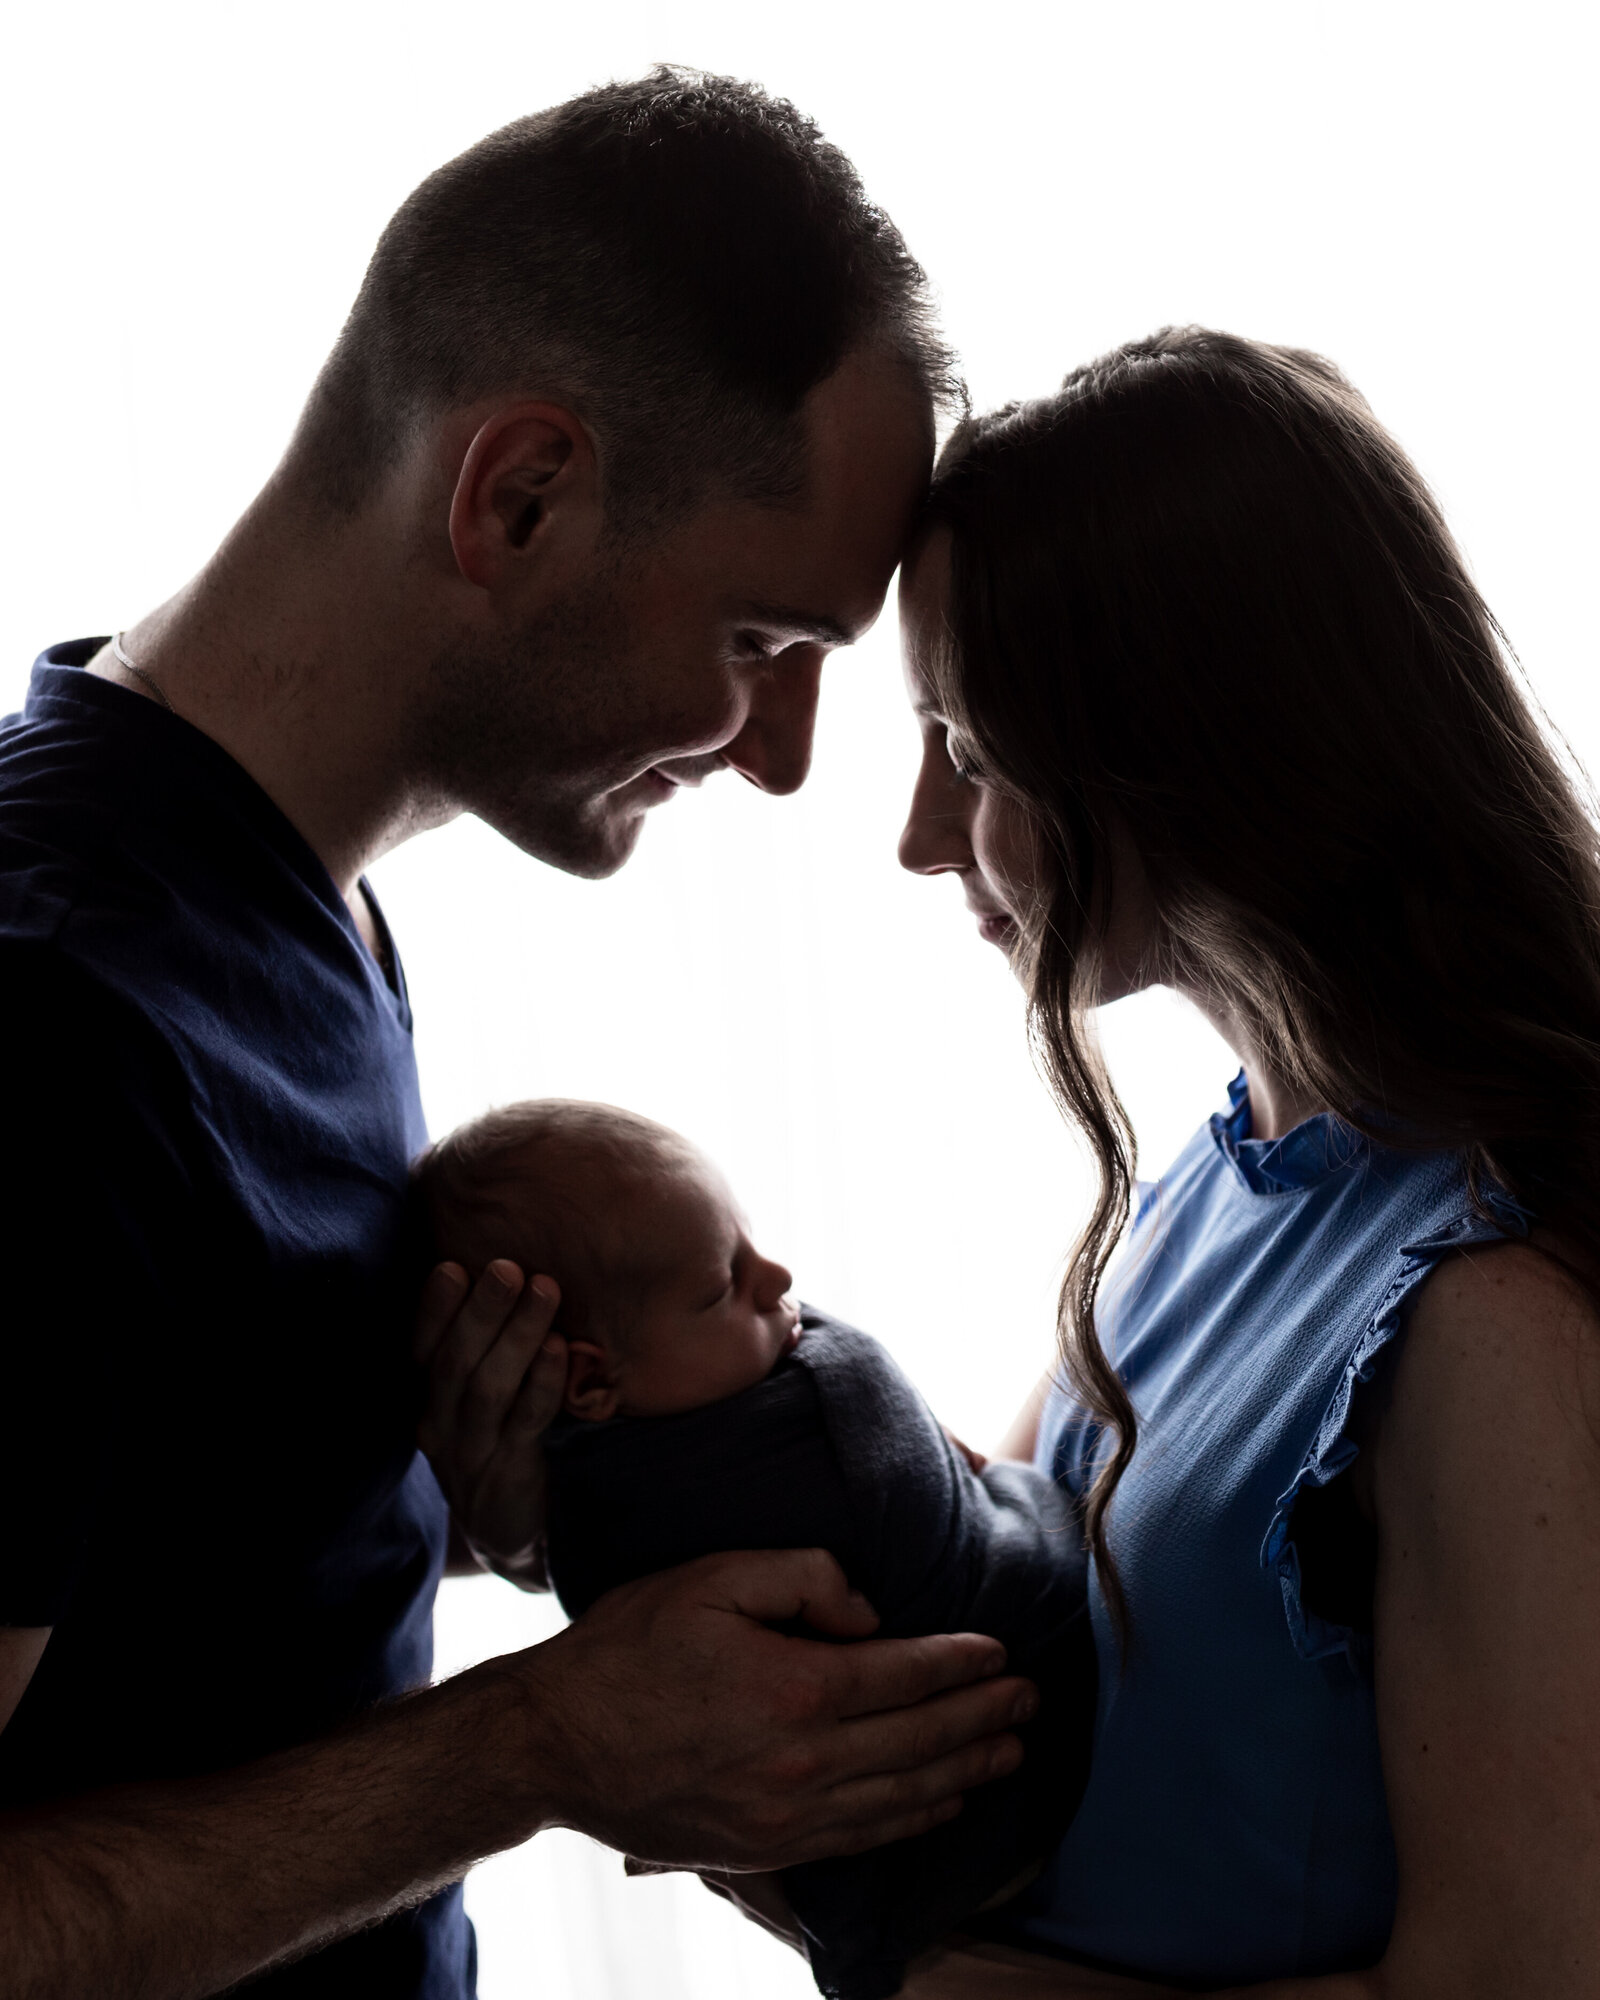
(683,256)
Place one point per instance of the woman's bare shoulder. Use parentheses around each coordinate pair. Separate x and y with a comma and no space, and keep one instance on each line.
(1519,1312)
(1487,1616)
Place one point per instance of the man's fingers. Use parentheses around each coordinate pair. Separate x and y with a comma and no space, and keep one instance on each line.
(856,1839)
(490,1390)
(441,1300)
(946,1741)
(544,1388)
(476,1326)
(920,1787)
(888,1674)
(777,1586)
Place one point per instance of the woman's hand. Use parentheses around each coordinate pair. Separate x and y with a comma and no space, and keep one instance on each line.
(757,1897)
(496,1377)
(975,1459)
(964,1969)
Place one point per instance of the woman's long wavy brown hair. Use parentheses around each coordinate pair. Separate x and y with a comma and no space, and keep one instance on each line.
(1201,602)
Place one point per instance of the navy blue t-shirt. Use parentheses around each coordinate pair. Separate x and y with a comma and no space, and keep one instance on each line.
(209,1485)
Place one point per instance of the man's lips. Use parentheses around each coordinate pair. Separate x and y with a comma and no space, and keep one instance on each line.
(664,782)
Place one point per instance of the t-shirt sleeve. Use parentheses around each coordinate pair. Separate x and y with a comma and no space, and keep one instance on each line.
(96,1197)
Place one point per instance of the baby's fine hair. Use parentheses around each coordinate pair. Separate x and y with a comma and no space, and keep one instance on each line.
(547,1183)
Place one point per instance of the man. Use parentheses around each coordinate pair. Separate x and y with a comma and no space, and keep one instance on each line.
(623,434)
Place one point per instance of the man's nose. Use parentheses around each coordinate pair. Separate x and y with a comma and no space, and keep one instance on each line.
(773,749)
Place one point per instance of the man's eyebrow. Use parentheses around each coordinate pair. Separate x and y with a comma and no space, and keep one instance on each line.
(809,624)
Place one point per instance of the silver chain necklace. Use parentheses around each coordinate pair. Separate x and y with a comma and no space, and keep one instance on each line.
(139,674)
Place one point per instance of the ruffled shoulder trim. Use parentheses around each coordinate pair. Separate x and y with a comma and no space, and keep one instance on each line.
(1334,1450)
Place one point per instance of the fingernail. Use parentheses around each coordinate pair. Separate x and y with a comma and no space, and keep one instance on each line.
(1026,1705)
(1005,1757)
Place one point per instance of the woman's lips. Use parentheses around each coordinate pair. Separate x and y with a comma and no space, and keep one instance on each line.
(997,928)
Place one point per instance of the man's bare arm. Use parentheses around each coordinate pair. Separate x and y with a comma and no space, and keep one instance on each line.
(667,1722)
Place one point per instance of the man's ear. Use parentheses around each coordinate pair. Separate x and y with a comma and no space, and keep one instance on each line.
(527,466)
(591,1387)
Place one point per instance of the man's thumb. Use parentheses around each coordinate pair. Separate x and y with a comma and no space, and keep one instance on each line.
(805,1584)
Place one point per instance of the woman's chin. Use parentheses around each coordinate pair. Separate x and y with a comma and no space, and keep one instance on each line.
(999,930)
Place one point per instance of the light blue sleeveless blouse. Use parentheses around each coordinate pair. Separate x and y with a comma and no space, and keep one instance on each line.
(1235,1826)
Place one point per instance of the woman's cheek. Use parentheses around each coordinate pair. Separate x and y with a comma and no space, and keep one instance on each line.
(1003,843)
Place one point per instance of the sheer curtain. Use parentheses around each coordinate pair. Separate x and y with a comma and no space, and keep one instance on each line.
(191,193)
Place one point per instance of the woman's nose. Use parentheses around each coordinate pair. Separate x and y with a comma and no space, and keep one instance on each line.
(935,840)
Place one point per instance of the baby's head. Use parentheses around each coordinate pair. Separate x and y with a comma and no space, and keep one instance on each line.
(665,1302)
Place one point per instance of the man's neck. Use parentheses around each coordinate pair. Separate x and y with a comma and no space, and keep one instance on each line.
(276,654)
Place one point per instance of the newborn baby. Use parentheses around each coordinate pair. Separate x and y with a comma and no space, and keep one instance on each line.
(705,1411)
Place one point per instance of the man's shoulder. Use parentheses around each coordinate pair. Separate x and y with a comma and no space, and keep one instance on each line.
(73,823)
(75,1050)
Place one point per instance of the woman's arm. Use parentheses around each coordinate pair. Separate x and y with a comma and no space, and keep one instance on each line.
(1486,1479)
(1023,1435)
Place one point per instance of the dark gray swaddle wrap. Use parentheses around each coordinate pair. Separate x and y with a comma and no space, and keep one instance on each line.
(835,1449)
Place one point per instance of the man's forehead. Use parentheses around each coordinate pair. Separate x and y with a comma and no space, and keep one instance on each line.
(869,463)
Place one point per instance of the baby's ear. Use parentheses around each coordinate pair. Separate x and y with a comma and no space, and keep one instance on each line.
(591,1388)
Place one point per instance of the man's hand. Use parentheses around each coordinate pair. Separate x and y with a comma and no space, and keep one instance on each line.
(496,1375)
(672,1723)
(667,1721)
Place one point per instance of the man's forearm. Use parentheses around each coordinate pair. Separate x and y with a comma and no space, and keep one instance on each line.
(669,1721)
(169,1892)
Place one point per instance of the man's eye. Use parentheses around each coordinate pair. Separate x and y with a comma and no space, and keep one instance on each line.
(752,646)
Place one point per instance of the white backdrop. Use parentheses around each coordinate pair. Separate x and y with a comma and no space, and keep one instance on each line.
(191,192)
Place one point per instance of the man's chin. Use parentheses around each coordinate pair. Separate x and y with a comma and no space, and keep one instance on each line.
(589,848)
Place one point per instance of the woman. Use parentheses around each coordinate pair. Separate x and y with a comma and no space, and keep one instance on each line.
(1208,699)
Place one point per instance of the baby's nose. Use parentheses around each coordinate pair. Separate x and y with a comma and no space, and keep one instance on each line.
(773,1282)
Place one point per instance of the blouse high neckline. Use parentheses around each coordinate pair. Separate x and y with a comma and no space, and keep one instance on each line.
(1309,1152)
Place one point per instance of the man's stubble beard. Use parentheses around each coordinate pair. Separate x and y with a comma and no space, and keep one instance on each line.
(527,734)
